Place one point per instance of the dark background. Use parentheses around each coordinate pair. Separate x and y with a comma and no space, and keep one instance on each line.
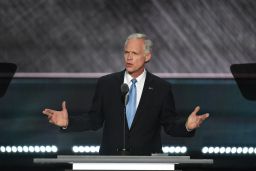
(195,42)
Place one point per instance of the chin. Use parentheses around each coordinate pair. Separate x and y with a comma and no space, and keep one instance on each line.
(129,70)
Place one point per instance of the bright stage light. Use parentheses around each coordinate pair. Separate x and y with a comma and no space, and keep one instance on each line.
(48,149)
(19,148)
(37,149)
(239,150)
(183,149)
(250,150)
(28,149)
(54,149)
(85,149)
(2,149)
(42,149)
(216,150)
(205,150)
(25,149)
(245,150)
(8,149)
(75,149)
(31,149)
(173,149)
(229,150)
(14,149)
(210,150)
(222,150)
(233,150)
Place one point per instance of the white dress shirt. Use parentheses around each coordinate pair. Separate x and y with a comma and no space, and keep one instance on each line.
(139,84)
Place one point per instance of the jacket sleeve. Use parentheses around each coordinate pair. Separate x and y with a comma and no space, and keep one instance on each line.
(172,124)
(93,120)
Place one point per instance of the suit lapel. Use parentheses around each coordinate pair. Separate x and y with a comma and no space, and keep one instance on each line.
(147,90)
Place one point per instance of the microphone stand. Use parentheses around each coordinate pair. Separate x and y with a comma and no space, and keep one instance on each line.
(125,92)
(124,151)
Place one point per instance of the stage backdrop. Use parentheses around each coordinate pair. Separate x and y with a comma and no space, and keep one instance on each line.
(88,36)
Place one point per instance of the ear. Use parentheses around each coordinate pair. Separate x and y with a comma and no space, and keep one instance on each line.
(148,57)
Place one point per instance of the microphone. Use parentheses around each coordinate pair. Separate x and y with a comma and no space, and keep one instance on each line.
(124,91)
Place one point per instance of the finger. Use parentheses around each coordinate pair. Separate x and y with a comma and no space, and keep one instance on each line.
(197,108)
(201,119)
(64,105)
(204,116)
(49,117)
(46,112)
(49,111)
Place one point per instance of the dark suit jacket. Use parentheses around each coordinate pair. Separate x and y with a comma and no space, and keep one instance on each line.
(155,110)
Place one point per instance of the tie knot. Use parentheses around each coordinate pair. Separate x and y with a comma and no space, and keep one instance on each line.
(134,81)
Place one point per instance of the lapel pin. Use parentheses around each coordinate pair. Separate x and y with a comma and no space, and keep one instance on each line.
(150,88)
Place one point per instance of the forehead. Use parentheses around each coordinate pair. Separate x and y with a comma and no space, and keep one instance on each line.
(134,44)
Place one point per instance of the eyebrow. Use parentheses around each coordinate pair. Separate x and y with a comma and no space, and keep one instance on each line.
(126,51)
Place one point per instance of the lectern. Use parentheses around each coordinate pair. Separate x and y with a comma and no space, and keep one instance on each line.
(7,70)
(122,162)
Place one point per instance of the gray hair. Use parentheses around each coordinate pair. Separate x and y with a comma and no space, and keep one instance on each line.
(148,43)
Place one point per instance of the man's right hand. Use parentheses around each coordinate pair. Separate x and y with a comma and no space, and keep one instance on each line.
(59,118)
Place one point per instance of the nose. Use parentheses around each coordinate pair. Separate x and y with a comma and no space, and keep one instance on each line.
(129,56)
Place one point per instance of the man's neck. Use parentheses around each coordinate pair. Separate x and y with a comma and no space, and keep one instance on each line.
(128,76)
(136,74)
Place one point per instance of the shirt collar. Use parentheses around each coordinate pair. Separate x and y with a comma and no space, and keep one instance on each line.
(128,77)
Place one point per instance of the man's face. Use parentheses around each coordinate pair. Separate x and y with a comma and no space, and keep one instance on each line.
(135,57)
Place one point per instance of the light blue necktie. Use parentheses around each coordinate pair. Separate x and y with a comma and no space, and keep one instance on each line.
(131,105)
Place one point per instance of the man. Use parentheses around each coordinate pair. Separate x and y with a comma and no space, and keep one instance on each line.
(150,107)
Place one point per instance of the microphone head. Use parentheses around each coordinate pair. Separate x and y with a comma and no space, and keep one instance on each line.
(124,89)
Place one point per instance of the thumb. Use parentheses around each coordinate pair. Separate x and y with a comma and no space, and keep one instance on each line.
(64,105)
